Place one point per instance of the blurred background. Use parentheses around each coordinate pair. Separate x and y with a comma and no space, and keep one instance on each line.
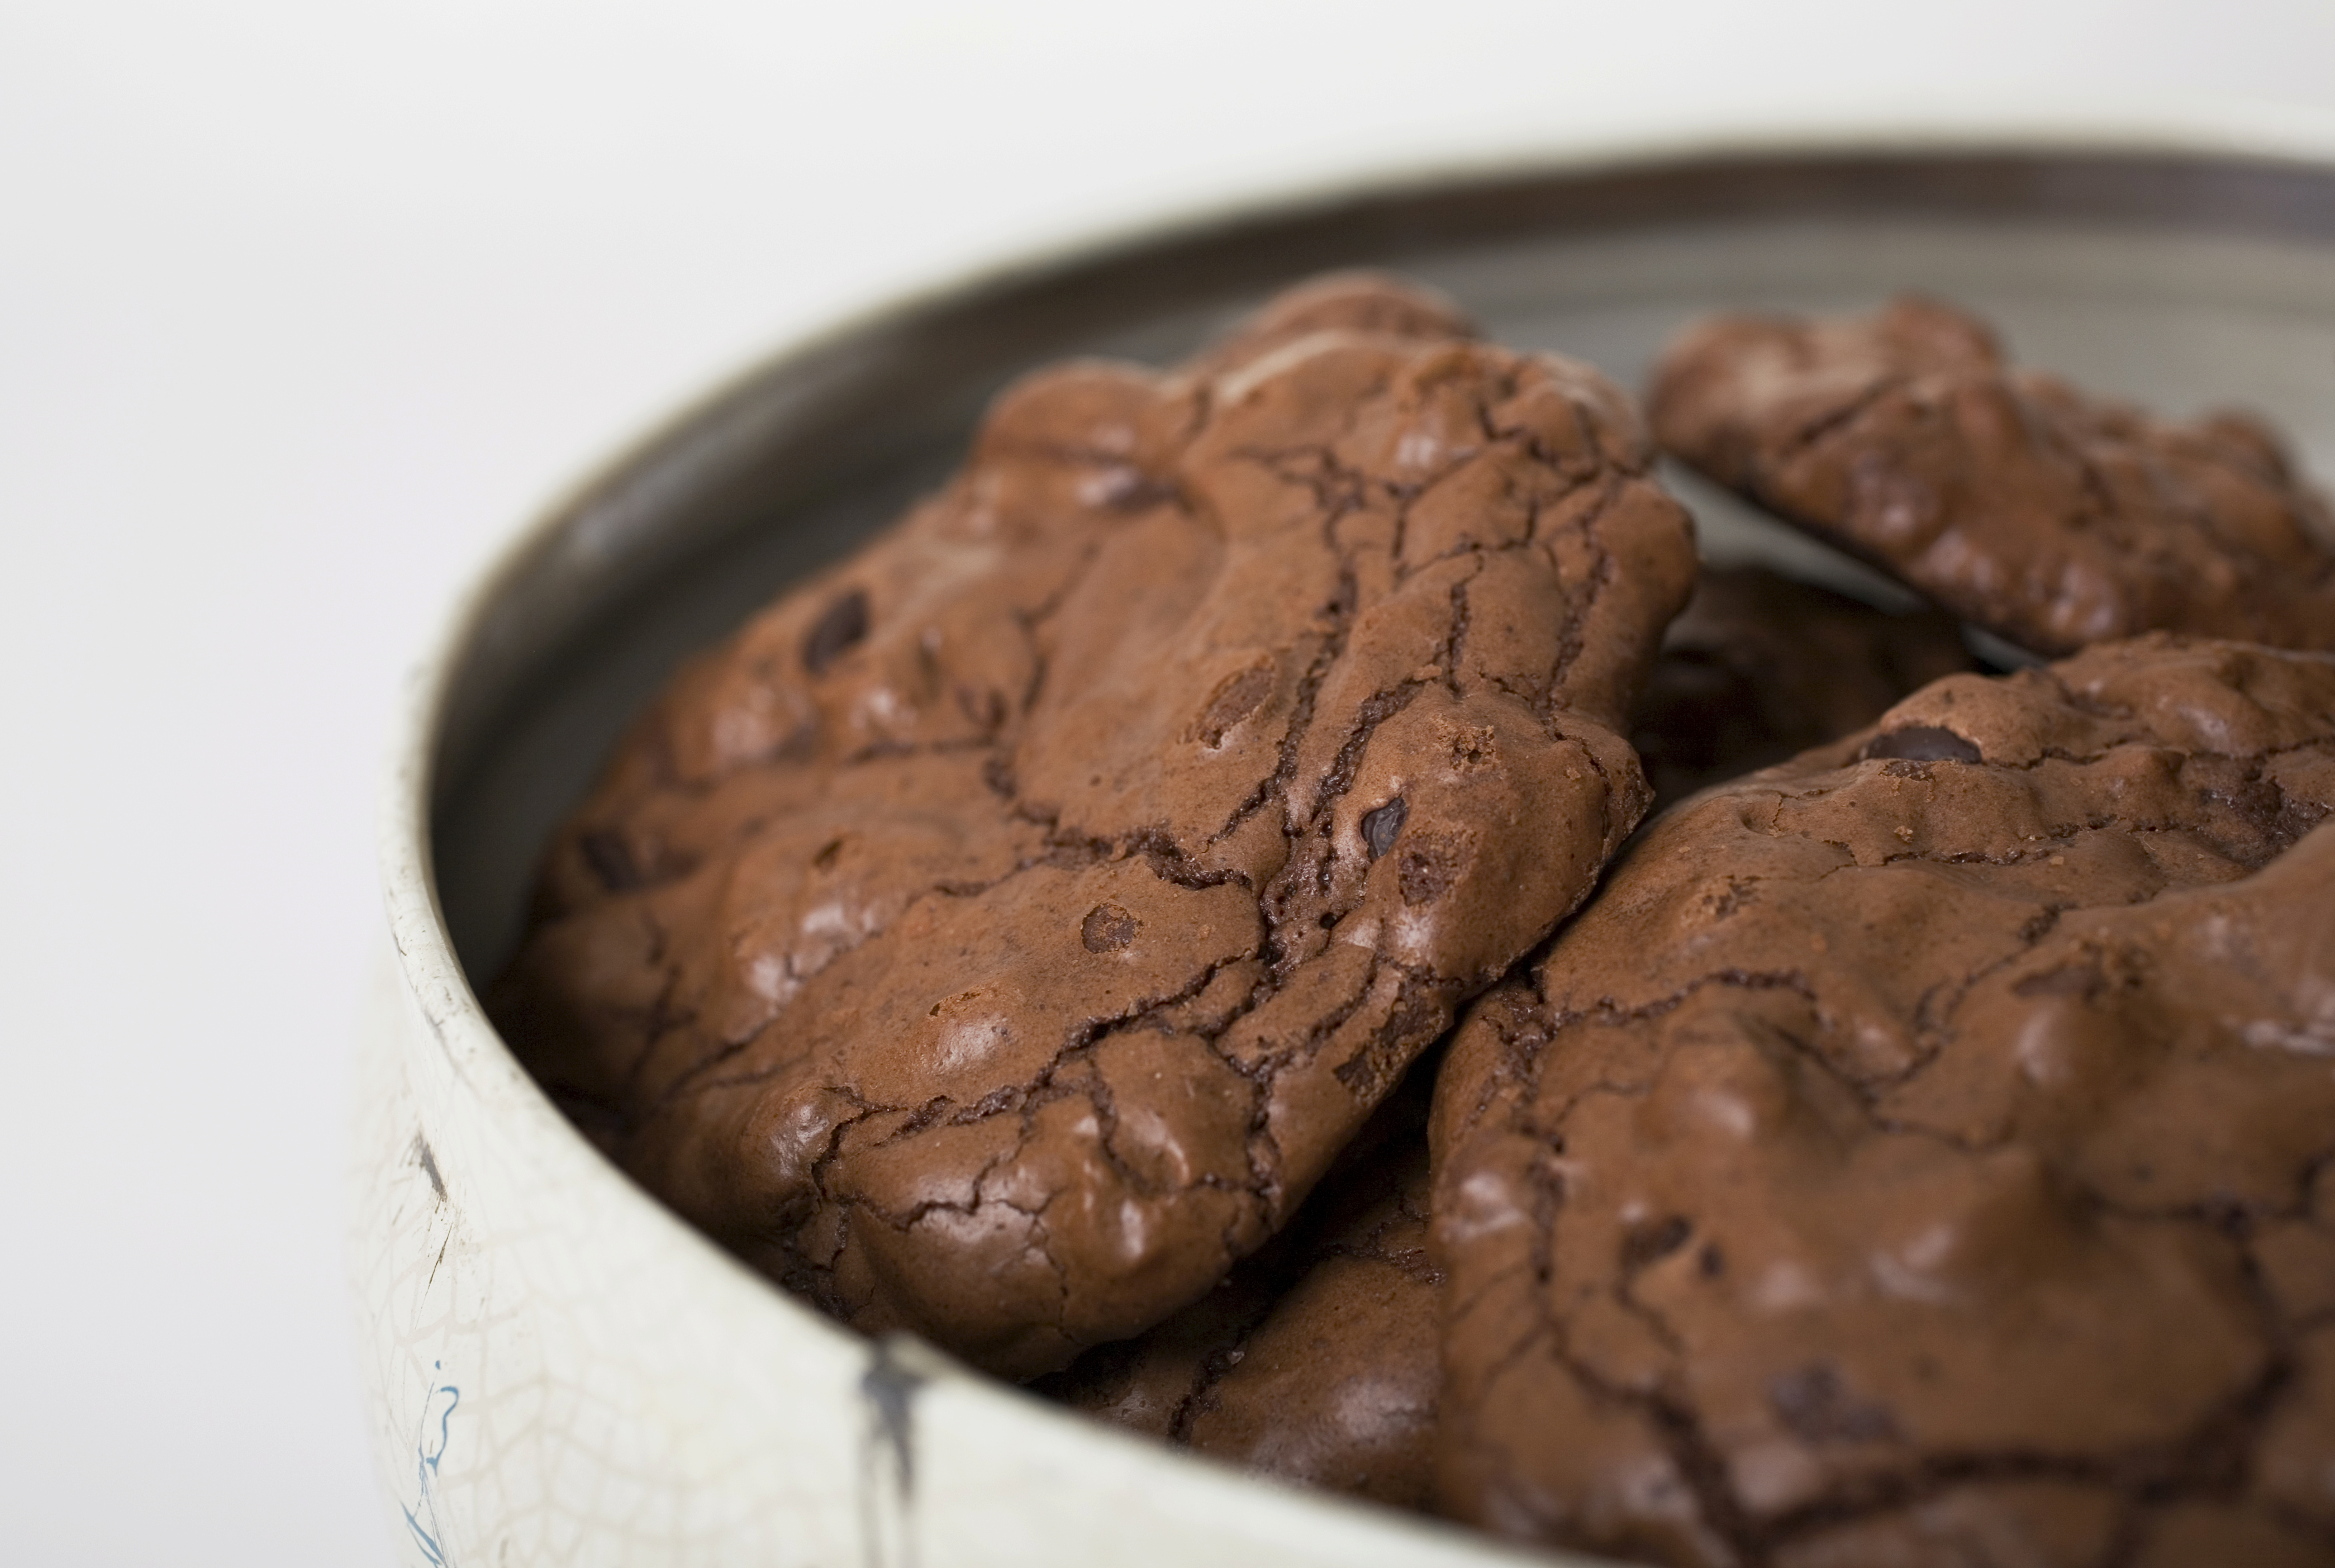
(305,307)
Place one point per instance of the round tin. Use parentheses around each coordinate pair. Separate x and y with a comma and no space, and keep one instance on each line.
(559,1371)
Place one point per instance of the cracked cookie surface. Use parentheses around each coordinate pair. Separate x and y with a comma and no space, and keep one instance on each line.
(1001,934)
(1759,667)
(1924,1152)
(2048,517)
(1315,1360)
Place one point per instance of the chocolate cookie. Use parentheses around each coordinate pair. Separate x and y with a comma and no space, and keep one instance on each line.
(2051,520)
(1001,934)
(1759,668)
(1315,1360)
(1921,1153)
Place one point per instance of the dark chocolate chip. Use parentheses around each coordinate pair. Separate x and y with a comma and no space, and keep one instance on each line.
(839,628)
(1922,744)
(1108,928)
(1383,827)
(1818,1407)
(1651,1243)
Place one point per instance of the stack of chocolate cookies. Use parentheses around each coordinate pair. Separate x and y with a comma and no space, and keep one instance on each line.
(1284,908)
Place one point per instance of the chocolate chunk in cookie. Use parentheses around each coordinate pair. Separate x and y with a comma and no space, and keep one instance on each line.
(1925,1142)
(1759,667)
(1000,936)
(2048,518)
(1315,1361)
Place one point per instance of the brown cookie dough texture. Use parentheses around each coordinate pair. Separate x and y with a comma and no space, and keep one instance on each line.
(1758,668)
(2050,519)
(1315,1360)
(1924,1152)
(1000,936)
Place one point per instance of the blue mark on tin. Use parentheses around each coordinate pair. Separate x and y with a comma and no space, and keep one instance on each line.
(431,1537)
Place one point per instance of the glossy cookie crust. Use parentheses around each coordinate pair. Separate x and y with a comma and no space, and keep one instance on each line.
(1315,1361)
(1920,1152)
(2050,518)
(1001,934)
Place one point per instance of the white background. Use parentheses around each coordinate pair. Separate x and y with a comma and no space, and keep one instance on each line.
(303,306)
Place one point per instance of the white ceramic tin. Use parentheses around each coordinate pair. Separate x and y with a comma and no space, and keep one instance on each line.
(560,1371)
